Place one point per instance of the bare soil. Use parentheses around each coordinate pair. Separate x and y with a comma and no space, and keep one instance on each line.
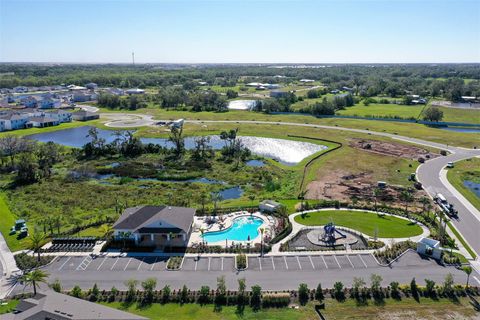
(392,149)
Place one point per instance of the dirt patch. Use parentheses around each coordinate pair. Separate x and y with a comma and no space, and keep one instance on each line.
(392,149)
(347,187)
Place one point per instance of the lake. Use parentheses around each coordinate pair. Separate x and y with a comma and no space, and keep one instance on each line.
(288,152)
(463,130)
(473,186)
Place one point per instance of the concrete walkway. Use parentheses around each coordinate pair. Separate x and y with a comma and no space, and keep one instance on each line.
(296,227)
(8,267)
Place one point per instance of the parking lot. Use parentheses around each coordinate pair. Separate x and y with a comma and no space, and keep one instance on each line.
(269,263)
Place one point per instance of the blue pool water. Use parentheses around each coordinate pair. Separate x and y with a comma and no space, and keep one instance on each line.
(241,229)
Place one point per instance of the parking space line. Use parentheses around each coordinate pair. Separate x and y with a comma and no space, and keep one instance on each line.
(273,263)
(313,266)
(84,264)
(286,264)
(222,263)
(114,264)
(337,261)
(140,263)
(299,265)
(209,260)
(101,264)
(476,279)
(360,256)
(324,262)
(153,264)
(127,264)
(64,263)
(259,263)
(196,262)
(350,261)
(374,258)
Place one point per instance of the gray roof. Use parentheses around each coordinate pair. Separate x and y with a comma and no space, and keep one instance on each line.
(41,119)
(53,305)
(139,217)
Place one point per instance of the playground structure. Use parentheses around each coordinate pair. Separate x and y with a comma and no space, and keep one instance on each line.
(330,236)
(329,231)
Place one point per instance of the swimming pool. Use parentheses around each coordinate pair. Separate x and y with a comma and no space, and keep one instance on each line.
(240,230)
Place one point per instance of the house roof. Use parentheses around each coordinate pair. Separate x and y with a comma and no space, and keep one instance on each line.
(140,217)
(41,119)
(53,305)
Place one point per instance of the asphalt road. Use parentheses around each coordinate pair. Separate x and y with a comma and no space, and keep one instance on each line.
(270,273)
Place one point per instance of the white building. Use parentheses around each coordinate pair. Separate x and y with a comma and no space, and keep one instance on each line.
(61,116)
(429,247)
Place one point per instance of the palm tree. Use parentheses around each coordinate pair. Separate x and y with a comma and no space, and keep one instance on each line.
(407,197)
(215,197)
(468,271)
(36,241)
(376,193)
(34,277)
(262,230)
(107,231)
(202,232)
(301,196)
(425,202)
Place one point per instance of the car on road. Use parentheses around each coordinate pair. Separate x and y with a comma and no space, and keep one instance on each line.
(444,205)
(450,165)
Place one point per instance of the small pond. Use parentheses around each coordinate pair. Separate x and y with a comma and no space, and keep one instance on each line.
(231,193)
(241,104)
(473,186)
(255,163)
(288,152)
(463,130)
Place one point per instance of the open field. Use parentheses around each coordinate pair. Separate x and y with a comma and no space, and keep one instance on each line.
(365,222)
(466,170)
(382,110)
(406,308)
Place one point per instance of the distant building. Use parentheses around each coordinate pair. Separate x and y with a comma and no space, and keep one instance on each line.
(61,116)
(306,80)
(29,101)
(20,89)
(83,96)
(278,94)
(41,122)
(91,86)
(52,305)
(73,87)
(135,91)
(13,121)
(49,103)
(471,99)
(269,205)
(83,115)
(157,226)
(115,91)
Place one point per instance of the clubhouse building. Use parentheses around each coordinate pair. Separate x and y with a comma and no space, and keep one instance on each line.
(156,226)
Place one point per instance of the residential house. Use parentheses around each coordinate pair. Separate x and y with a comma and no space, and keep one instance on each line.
(278,94)
(83,115)
(61,116)
(73,87)
(91,86)
(49,103)
(29,101)
(41,122)
(20,89)
(83,96)
(135,91)
(157,226)
(13,121)
(52,305)
(115,91)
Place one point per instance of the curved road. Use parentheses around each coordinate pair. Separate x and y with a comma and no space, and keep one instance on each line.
(429,173)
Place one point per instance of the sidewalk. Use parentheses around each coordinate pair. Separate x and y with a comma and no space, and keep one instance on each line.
(8,267)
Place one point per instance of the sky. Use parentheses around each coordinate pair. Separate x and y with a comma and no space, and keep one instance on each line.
(240,31)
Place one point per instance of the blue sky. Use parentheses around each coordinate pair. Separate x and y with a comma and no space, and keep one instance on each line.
(303,31)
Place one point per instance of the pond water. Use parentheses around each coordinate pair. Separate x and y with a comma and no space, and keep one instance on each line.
(473,186)
(196,180)
(242,229)
(463,130)
(241,104)
(288,152)
(231,193)
(255,163)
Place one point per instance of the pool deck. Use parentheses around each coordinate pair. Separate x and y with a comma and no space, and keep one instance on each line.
(223,223)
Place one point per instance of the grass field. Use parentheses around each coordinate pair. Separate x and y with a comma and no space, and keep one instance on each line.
(8,307)
(8,220)
(466,170)
(382,110)
(365,222)
(407,308)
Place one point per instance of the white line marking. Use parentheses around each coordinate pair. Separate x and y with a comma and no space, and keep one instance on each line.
(80,266)
(273,263)
(360,256)
(127,264)
(259,263)
(286,264)
(350,261)
(313,266)
(64,263)
(337,261)
(114,264)
(196,261)
(140,264)
(474,277)
(101,264)
(153,264)
(324,262)
(299,265)
(209,260)
(222,263)
(375,258)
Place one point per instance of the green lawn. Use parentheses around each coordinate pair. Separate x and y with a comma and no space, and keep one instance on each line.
(365,222)
(8,220)
(195,311)
(466,170)
(382,110)
(8,307)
